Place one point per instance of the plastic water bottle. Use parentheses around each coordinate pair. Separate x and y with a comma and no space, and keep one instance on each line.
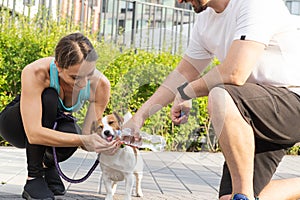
(156,143)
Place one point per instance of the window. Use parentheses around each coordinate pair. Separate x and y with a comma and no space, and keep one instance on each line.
(28,2)
(293,6)
(94,3)
(183,5)
(104,8)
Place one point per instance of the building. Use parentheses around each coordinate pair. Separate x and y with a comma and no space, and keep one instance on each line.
(143,24)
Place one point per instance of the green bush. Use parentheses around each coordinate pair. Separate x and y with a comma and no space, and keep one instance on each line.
(21,43)
(135,76)
(295,150)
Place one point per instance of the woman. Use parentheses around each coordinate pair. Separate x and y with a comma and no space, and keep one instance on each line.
(51,89)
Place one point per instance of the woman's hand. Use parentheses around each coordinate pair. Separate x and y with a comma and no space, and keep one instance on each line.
(97,144)
(180,110)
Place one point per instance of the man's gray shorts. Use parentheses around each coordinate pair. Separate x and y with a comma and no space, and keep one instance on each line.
(274,114)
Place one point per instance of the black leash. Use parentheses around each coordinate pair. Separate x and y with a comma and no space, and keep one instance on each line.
(61,174)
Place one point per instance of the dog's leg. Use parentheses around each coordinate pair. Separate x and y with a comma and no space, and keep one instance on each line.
(128,186)
(108,187)
(114,187)
(138,187)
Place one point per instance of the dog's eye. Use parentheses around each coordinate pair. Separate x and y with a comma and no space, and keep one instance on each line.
(111,122)
(100,127)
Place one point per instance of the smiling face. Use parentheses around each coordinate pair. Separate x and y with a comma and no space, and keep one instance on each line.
(77,75)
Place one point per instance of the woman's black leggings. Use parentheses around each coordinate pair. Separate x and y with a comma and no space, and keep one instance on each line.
(12,130)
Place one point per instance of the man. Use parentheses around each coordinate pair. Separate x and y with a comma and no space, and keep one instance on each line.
(253,94)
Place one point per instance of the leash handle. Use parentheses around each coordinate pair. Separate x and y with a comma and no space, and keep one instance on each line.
(61,174)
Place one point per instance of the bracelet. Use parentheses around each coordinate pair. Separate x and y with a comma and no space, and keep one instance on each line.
(181,92)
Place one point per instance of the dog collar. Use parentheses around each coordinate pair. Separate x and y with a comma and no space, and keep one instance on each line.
(130,145)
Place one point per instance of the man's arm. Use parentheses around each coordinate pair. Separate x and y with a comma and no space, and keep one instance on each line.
(185,71)
(236,68)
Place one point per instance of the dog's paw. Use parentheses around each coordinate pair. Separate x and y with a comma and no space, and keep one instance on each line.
(139,194)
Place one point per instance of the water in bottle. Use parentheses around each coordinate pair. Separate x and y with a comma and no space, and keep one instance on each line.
(155,143)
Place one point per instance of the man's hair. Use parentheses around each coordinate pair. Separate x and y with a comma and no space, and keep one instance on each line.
(74,49)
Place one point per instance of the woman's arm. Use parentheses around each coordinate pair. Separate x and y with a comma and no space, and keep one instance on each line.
(100,94)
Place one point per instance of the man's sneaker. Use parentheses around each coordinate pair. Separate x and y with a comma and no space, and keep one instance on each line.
(54,182)
(239,197)
(37,189)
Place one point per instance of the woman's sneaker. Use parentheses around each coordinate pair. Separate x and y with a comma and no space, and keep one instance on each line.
(54,181)
(37,189)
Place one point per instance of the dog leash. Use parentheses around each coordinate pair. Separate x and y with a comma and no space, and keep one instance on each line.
(61,174)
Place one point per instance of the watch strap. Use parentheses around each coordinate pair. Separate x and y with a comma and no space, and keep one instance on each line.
(181,92)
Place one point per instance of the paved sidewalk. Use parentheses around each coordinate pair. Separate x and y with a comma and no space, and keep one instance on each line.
(167,175)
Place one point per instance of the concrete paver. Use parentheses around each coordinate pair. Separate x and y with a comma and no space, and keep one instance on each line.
(167,175)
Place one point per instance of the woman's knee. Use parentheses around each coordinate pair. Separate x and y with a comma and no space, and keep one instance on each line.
(50,98)
(49,107)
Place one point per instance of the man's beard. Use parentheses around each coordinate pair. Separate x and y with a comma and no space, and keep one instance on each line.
(200,8)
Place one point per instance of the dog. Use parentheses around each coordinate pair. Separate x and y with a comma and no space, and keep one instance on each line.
(124,164)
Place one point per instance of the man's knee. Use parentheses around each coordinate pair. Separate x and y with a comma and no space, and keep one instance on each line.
(217,99)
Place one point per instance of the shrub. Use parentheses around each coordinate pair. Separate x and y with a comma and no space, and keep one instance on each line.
(135,76)
(295,150)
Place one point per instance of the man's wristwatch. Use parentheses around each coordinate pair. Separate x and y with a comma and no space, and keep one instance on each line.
(181,92)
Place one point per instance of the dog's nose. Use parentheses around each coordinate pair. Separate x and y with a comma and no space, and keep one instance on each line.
(107,133)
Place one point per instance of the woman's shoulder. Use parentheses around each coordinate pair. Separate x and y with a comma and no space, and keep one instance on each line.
(42,63)
(38,69)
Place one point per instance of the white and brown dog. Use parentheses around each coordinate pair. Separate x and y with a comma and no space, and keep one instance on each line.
(125,163)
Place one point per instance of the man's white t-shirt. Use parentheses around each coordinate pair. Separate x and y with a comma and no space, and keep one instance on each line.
(264,21)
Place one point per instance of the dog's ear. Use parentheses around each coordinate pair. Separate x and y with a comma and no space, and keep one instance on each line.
(119,118)
(94,127)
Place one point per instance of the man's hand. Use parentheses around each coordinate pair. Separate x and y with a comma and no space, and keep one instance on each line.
(97,144)
(180,110)
(132,128)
